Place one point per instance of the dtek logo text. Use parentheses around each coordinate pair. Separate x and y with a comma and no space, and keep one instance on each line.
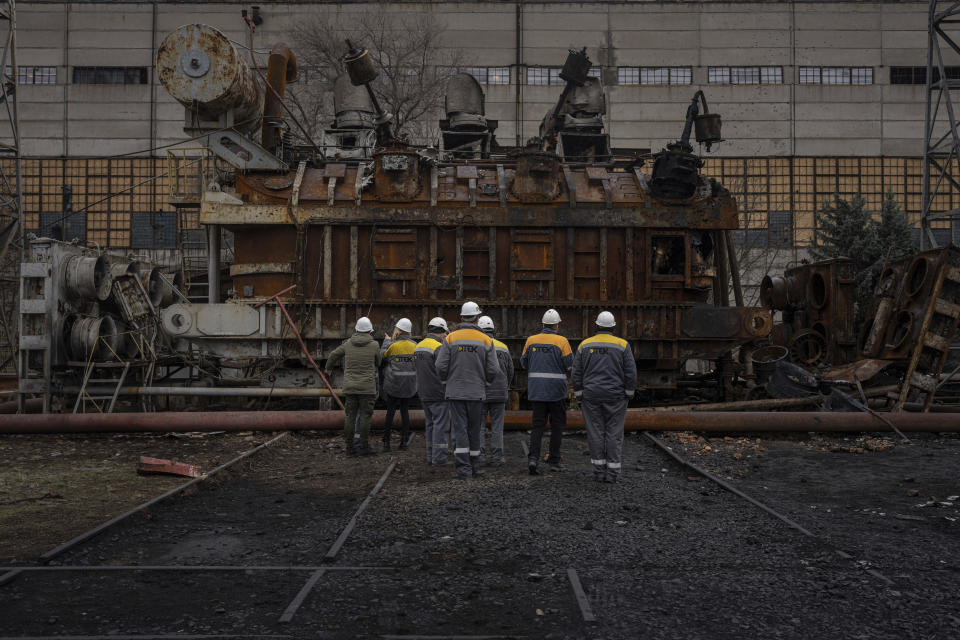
(470,348)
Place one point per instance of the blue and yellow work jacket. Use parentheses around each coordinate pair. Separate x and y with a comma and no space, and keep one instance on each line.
(604,368)
(499,389)
(547,357)
(429,384)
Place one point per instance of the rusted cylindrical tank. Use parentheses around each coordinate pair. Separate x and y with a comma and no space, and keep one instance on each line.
(200,68)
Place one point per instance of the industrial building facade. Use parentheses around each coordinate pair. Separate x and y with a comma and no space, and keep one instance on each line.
(817,98)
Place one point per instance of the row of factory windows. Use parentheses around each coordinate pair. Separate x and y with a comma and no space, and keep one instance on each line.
(551,75)
(720,75)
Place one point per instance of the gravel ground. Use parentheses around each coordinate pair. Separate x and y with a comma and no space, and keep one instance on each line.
(53,488)
(662,554)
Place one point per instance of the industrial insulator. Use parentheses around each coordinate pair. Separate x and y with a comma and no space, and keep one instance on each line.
(360,66)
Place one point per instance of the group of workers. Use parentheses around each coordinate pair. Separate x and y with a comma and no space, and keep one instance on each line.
(463,377)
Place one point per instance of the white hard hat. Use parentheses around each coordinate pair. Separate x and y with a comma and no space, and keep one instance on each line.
(469,309)
(438,322)
(551,317)
(605,319)
(485,322)
(404,324)
(364,325)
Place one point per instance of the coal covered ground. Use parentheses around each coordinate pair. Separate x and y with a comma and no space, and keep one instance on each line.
(662,554)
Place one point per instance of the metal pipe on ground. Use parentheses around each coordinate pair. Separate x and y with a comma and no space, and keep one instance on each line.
(637,420)
(219,392)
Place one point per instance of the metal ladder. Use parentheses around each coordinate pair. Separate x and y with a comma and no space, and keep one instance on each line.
(83,397)
(35,327)
(933,346)
(193,265)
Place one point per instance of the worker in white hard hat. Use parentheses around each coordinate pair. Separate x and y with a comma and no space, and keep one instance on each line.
(467,362)
(604,379)
(399,379)
(547,357)
(497,395)
(361,358)
(436,415)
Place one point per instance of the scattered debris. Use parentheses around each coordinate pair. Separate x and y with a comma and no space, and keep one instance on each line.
(46,496)
(900,516)
(169,467)
(878,444)
(933,503)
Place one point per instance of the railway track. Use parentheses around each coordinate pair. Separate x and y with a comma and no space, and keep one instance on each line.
(726,486)
(13,572)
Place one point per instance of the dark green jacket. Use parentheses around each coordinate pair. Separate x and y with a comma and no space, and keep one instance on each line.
(361,358)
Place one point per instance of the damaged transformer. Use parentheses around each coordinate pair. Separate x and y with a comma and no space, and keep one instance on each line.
(364,224)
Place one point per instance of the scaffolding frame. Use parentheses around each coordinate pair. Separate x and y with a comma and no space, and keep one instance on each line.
(11,195)
(941,151)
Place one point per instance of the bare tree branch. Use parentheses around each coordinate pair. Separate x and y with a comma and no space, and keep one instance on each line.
(411,54)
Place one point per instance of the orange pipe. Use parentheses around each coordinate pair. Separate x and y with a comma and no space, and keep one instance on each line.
(281,69)
(637,420)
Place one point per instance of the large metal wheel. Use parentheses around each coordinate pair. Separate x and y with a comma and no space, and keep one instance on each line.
(808,348)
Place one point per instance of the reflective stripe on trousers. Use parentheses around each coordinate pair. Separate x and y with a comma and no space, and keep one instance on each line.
(496,412)
(466,417)
(604,420)
(436,423)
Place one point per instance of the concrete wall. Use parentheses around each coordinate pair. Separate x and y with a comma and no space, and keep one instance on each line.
(765,120)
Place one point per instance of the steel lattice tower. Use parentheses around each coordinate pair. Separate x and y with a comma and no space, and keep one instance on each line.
(11,192)
(941,147)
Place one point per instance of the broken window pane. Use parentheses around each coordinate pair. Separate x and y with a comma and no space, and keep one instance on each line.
(667,255)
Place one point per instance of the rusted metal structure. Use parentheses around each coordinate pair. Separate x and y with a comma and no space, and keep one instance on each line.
(914,319)
(364,224)
(407,233)
(817,305)
(907,335)
(87,319)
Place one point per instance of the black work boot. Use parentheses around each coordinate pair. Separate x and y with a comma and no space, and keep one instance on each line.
(367,450)
(351,451)
(386,446)
(477,473)
(532,468)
